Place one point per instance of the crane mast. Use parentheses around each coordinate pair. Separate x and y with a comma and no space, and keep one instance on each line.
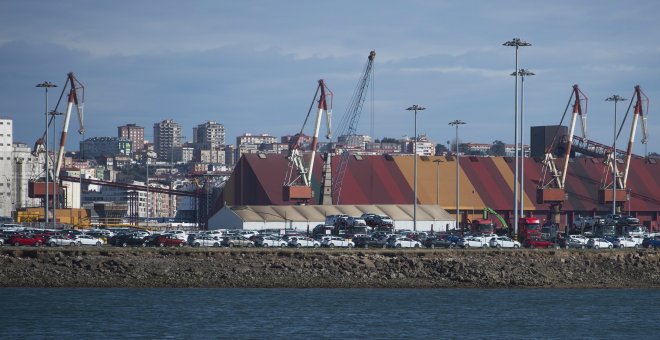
(78,100)
(607,195)
(641,100)
(348,127)
(552,187)
(298,180)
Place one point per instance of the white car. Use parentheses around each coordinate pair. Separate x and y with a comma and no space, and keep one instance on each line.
(248,233)
(213,233)
(597,243)
(579,239)
(473,242)
(206,241)
(336,241)
(627,242)
(60,240)
(503,242)
(88,240)
(300,241)
(403,242)
(180,234)
(273,241)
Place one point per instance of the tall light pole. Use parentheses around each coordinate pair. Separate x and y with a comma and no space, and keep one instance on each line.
(46,85)
(517,43)
(522,73)
(456,123)
(415,108)
(55,174)
(437,181)
(614,98)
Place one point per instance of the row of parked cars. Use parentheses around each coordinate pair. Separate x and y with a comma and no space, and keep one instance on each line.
(39,237)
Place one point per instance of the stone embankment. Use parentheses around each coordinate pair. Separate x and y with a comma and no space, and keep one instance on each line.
(326,268)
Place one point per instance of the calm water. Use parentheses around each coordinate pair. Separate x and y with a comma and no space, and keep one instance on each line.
(329,313)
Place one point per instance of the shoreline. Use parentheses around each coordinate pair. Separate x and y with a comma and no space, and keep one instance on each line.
(109,267)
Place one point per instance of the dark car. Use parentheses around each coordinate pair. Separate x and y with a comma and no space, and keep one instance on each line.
(437,242)
(370,242)
(651,242)
(570,243)
(126,240)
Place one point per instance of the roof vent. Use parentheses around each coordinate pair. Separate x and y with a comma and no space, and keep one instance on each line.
(358,157)
(261,155)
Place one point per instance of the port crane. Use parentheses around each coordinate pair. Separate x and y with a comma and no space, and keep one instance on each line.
(347,129)
(298,180)
(552,186)
(607,194)
(75,96)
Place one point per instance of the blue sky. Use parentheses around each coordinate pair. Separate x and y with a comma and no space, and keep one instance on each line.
(254,65)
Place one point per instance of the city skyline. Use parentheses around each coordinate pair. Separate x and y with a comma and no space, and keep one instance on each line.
(253,66)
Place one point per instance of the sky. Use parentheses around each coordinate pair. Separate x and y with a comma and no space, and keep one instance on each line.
(254,65)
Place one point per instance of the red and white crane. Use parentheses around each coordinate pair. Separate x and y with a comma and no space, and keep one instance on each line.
(641,102)
(298,181)
(73,98)
(552,186)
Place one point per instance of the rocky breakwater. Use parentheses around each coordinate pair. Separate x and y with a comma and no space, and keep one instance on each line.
(326,268)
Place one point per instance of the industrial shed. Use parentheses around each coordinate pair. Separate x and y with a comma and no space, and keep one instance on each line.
(306,217)
(484,182)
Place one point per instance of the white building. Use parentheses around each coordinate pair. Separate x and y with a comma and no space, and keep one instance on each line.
(305,217)
(26,167)
(7,180)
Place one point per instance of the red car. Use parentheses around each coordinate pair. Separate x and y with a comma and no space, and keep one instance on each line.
(539,243)
(26,240)
(169,240)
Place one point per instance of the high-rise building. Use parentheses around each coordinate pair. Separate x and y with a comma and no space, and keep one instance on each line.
(133,133)
(210,133)
(167,135)
(26,167)
(106,146)
(7,179)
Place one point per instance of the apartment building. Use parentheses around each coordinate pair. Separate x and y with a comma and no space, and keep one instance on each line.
(167,135)
(134,133)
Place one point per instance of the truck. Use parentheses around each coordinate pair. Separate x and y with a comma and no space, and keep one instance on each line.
(487,226)
(528,228)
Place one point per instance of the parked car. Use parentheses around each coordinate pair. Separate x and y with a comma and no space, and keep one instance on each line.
(437,242)
(269,241)
(206,241)
(540,243)
(88,240)
(301,241)
(473,242)
(597,242)
(180,234)
(125,240)
(169,240)
(403,242)
(572,243)
(371,242)
(503,242)
(651,242)
(26,240)
(336,241)
(579,239)
(60,240)
(624,242)
(236,241)
(628,220)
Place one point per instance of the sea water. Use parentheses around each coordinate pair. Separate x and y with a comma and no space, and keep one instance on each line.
(87,313)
